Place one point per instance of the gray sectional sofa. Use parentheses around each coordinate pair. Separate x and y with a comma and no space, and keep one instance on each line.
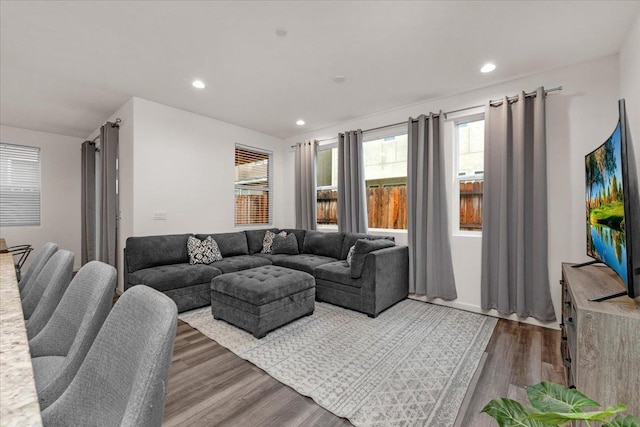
(376,279)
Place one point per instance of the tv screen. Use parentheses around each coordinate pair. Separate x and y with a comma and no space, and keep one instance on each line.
(612,206)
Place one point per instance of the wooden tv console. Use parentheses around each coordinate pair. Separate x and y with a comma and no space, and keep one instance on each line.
(600,340)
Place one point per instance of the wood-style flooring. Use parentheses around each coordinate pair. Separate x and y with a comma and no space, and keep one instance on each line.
(210,386)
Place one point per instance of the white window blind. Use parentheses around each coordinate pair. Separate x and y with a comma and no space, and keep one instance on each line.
(253,186)
(19,185)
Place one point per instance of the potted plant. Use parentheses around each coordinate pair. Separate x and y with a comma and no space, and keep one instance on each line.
(555,405)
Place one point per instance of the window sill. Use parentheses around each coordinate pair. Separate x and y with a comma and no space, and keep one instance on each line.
(389,230)
(461,233)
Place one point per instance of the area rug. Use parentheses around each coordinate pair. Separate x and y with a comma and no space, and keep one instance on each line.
(409,366)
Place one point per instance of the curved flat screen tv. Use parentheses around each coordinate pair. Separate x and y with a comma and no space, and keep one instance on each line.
(613,206)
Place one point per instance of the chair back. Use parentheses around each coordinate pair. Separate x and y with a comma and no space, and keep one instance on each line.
(46,251)
(72,329)
(42,298)
(123,379)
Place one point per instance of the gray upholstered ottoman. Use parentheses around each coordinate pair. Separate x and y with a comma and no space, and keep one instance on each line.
(262,299)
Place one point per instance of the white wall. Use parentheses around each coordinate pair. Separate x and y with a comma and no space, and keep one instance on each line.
(630,83)
(579,118)
(183,164)
(630,87)
(60,192)
(125,179)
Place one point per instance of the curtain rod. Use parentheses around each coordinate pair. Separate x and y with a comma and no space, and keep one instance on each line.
(493,103)
(115,124)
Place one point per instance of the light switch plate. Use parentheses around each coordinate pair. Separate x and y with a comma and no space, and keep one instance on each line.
(160,216)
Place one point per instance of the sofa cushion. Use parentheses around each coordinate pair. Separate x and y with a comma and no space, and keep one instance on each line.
(273,258)
(299,235)
(338,272)
(152,251)
(168,277)
(285,245)
(303,262)
(230,244)
(267,243)
(239,262)
(350,239)
(255,238)
(324,244)
(362,248)
(262,285)
(203,251)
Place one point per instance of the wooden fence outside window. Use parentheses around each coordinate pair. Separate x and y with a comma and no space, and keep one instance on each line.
(252,209)
(387,206)
(471,205)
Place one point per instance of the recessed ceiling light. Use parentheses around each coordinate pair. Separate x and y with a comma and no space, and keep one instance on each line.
(300,122)
(281,31)
(339,78)
(487,68)
(198,84)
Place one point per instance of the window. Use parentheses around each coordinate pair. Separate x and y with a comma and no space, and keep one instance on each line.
(327,185)
(253,195)
(385,174)
(19,185)
(470,176)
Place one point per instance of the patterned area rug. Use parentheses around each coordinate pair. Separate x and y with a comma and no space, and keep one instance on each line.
(409,366)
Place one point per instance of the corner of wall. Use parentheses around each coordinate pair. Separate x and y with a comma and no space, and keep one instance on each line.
(629,63)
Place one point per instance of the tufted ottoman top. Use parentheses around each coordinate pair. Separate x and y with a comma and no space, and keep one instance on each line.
(262,285)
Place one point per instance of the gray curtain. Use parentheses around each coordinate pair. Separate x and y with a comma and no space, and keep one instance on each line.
(352,196)
(108,218)
(88,202)
(515,275)
(305,185)
(430,265)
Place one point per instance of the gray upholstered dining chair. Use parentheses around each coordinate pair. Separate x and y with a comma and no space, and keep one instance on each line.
(123,379)
(60,348)
(43,296)
(46,251)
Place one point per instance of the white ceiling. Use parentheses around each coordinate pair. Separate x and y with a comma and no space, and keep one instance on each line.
(66,66)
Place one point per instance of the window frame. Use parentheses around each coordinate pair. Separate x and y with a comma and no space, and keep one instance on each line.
(330,145)
(26,151)
(268,188)
(387,132)
(456,178)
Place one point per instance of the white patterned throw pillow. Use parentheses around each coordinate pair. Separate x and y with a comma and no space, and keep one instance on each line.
(350,254)
(203,251)
(267,243)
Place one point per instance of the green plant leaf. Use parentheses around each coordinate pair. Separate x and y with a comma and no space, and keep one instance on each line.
(550,397)
(556,418)
(623,421)
(509,413)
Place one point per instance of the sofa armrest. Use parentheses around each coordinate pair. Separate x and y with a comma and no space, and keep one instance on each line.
(125,273)
(385,278)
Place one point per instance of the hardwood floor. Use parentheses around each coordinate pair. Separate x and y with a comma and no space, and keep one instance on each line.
(210,386)
(517,355)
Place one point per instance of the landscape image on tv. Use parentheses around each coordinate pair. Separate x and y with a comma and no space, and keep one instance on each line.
(606,239)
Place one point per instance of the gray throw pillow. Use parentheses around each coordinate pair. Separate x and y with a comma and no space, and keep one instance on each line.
(203,251)
(268,240)
(285,245)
